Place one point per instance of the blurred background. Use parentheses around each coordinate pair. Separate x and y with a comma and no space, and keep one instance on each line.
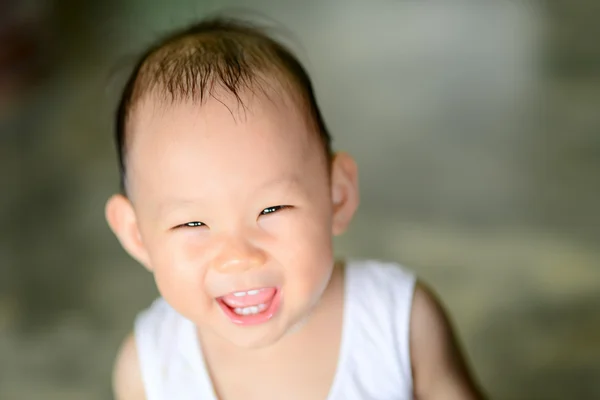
(477,132)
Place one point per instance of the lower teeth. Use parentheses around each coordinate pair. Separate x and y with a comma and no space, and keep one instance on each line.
(250,310)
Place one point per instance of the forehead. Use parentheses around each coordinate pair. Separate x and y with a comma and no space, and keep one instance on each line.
(224,143)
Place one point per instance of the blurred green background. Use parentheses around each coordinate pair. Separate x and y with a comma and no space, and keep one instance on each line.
(476,128)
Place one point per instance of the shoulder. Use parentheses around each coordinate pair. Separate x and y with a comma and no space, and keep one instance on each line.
(439,367)
(140,351)
(428,348)
(127,376)
(382,274)
(377,306)
(384,291)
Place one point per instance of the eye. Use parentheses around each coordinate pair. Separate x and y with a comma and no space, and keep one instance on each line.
(193,224)
(271,210)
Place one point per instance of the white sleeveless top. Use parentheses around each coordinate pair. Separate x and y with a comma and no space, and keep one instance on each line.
(374,361)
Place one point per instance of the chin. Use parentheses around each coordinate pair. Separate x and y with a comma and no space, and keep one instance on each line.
(272,333)
(255,343)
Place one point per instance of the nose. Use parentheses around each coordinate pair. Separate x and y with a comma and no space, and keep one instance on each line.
(238,255)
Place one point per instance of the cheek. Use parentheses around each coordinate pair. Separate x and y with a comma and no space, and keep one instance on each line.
(179,252)
(309,254)
(179,272)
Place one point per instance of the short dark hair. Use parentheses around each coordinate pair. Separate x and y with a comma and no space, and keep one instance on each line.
(233,54)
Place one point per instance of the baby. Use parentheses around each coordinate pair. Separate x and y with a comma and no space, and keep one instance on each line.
(231,195)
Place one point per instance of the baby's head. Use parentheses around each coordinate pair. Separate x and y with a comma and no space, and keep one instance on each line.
(229,181)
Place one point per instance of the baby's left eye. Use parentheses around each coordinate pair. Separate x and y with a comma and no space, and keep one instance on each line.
(271,210)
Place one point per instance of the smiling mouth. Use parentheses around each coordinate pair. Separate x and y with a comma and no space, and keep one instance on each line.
(251,307)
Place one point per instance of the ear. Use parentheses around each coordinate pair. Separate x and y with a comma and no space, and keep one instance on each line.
(344,191)
(121,218)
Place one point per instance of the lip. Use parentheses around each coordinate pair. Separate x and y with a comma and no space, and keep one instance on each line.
(256,319)
(246,298)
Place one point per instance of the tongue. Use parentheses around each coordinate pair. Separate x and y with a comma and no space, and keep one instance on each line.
(264,295)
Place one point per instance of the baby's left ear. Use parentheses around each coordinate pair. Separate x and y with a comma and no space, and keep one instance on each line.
(344,191)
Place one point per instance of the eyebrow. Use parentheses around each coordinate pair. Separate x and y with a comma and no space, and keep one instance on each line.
(173,203)
(293,180)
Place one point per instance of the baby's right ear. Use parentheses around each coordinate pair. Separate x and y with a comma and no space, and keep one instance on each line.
(121,218)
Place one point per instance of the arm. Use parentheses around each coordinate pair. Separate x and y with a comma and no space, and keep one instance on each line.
(127,378)
(439,369)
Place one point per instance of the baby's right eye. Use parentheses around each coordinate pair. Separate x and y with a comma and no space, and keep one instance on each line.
(193,224)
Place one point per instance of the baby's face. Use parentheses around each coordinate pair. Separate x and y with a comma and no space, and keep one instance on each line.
(235,213)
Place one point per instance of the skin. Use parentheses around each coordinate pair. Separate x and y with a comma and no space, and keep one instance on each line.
(199,181)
